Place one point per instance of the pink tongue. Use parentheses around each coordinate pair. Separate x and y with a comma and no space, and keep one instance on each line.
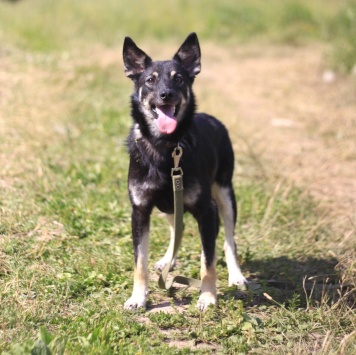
(166,122)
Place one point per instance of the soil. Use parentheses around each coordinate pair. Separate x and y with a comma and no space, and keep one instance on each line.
(295,115)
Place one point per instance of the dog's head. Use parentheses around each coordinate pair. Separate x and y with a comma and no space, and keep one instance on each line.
(163,89)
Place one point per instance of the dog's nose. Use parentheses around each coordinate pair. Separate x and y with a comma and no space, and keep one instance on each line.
(166,95)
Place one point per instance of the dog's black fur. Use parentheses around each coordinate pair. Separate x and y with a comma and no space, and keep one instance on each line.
(207,162)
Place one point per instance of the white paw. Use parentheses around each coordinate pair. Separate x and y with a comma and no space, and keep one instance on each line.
(163,262)
(205,300)
(135,302)
(237,279)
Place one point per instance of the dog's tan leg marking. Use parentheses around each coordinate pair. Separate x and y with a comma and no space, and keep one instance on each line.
(208,284)
(162,262)
(140,288)
(223,200)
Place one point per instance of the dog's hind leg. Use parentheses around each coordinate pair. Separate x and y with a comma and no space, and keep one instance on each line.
(140,235)
(162,262)
(225,199)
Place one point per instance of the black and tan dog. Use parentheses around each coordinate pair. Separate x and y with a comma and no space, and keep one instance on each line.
(163,111)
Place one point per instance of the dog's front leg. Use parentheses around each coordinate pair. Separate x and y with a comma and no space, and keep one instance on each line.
(208,283)
(140,223)
(208,227)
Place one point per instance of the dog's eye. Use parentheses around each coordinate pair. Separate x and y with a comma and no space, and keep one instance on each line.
(178,79)
(151,80)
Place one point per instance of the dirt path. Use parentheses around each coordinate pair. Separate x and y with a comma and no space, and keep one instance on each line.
(298,119)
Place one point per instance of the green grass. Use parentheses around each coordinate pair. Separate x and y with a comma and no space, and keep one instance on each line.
(66,258)
(342,33)
(56,25)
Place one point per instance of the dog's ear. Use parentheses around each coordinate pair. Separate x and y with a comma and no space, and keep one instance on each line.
(135,59)
(188,55)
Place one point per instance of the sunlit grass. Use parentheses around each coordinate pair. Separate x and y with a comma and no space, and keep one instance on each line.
(65,239)
(61,25)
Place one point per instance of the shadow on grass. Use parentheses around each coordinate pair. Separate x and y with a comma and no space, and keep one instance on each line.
(286,279)
(292,270)
(170,306)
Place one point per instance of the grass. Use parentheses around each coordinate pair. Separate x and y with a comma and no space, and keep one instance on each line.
(343,36)
(53,25)
(65,241)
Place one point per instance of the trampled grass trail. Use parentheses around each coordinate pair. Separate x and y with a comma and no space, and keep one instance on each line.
(66,257)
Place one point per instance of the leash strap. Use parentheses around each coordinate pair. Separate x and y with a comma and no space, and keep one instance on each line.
(177,182)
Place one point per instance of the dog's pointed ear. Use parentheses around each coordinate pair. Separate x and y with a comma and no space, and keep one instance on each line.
(188,55)
(135,59)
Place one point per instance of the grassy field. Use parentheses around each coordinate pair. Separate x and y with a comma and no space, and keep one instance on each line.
(66,258)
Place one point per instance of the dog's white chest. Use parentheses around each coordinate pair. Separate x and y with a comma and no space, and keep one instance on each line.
(140,191)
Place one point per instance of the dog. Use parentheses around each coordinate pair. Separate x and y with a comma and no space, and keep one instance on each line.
(163,109)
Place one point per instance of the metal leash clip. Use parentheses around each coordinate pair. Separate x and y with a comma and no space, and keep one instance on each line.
(176,155)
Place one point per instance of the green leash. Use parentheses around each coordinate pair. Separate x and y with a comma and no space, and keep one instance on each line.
(177,181)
